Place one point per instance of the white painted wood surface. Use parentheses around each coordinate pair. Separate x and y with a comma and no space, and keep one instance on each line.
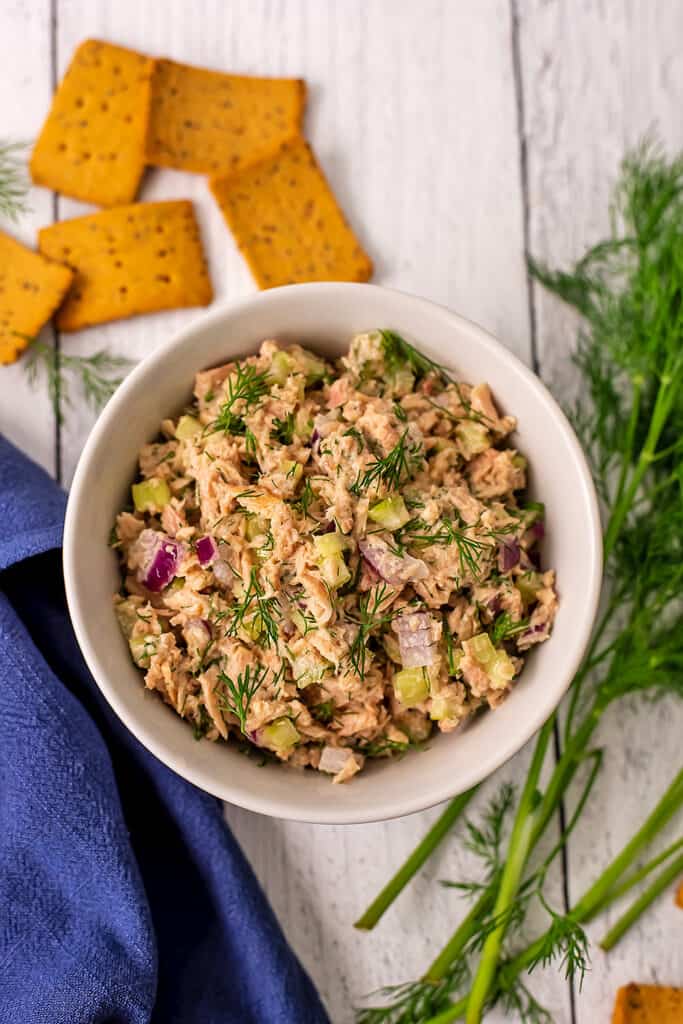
(416,112)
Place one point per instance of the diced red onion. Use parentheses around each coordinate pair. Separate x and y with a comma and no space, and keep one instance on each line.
(207,549)
(199,630)
(508,554)
(418,636)
(334,759)
(393,569)
(223,572)
(159,559)
(315,438)
(538,529)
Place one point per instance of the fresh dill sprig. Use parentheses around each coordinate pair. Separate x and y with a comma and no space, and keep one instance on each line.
(236,695)
(445,532)
(256,613)
(14,182)
(282,430)
(245,388)
(504,628)
(99,375)
(392,469)
(398,352)
(371,617)
(629,415)
(305,499)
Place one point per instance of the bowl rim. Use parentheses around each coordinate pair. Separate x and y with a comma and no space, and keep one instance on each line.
(261,802)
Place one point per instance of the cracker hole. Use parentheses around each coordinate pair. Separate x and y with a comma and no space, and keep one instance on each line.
(104,106)
(161,252)
(80,102)
(128,118)
(163,277)
(118,263)
(123,290)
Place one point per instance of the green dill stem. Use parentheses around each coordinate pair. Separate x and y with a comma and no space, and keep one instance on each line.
(667,806)
(422,851)
(460,937)
(521,841)
(641,904)
(627,457)
(639,875)
(666,395)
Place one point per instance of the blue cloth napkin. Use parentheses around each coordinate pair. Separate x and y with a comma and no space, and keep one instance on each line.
(123,895)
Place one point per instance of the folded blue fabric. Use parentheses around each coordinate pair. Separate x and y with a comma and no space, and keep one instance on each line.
(123,896)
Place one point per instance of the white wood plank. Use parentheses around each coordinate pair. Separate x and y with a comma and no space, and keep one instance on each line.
(597,78)
(412,112)
(26,416)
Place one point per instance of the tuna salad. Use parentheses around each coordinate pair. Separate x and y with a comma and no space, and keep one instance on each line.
(325,562)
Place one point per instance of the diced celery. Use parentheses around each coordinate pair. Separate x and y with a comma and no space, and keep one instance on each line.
(442,444)
(150,495)
(401,381)
(142,648)
(253,627)
(187,427)
(256,527)
(391,513)
(411,686)
(303,424)
(481,649)
(335,571)
(529,585)
(445,705)
(519,461)
(500,670)
(473,437)
(327,544)
(280,735)
(314,368)
(127,616)
(281,367)
(292,470)
(177,584)
(307,669)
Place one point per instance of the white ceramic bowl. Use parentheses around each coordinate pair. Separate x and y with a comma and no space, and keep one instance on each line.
(324,317)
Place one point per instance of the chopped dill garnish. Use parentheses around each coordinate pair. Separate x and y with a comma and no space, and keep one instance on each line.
(355,433)
(398,352)
(370,618)
(400,413)
(416,533)
(393,469)
(98,375)
(323,712)
(282,431)
(200,728)
(256,613)
(236,695)
(245,387)
(249,444)
(305,499)
(504,628)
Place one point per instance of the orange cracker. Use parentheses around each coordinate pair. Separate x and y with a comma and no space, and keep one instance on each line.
(92,145)
(31,289)
(287,223)
(679,896)
(212,123)
(134,259)
(648,1004)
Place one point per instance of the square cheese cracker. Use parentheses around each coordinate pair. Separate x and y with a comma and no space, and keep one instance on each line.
(31,289)
(287,223)
(210,122)
(648,1004)
(134,259)
(92,145)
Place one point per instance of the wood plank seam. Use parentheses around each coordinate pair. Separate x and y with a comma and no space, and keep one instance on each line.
(518,79)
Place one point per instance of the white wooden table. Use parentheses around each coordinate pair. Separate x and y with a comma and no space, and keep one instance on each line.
(456,133)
